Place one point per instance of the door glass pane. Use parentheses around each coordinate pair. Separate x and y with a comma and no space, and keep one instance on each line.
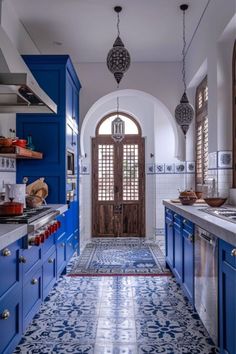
(105,172)
(130,172)
(130,126)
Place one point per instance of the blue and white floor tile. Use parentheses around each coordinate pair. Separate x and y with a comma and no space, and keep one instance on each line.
(116,315)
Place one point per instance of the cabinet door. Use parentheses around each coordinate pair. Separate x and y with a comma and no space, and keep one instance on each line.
(178,248)
(169,239)
(49,273)
(76,106)
(188,270)
(10,275)
(69,97)
(10,320)
(227,297)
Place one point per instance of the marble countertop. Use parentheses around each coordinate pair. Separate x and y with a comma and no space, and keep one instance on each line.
(10,233)
(223,229)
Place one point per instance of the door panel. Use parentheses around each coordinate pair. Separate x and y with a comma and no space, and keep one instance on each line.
(118,186)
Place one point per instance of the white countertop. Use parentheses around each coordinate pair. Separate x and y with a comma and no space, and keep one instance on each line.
(223,229)
(10,233)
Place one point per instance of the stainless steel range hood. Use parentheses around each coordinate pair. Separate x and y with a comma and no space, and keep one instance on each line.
(19,90)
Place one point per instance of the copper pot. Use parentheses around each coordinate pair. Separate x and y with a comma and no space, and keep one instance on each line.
(11,208)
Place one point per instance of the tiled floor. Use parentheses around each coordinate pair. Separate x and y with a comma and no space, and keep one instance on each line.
(116,315)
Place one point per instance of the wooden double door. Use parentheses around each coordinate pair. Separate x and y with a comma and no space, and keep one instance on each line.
(118,187)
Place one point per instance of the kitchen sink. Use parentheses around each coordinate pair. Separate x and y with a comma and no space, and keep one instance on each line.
(225,213)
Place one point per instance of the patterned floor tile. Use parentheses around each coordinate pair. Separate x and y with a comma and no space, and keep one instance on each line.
(116,315)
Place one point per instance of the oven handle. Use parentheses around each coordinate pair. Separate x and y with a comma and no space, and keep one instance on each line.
(42,221)
(205,237)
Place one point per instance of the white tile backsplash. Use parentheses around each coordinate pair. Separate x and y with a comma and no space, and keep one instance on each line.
(7,177)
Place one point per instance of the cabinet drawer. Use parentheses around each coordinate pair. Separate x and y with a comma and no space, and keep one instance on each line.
(177,219)
(32,296)
(10,327)
(49,273)
(188,225)
(30,257)
(69,248)
(61,254)
(227,252)
(48,244)
(9,267)
(169,214)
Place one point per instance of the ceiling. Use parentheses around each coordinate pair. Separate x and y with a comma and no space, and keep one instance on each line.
(86,29)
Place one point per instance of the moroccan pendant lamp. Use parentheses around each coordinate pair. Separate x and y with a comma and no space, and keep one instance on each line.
(118,62)
(184,112)
(118,58)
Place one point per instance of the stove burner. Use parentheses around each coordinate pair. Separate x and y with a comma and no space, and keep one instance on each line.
(28,216)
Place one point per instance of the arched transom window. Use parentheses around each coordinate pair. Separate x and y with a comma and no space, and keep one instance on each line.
(105,126)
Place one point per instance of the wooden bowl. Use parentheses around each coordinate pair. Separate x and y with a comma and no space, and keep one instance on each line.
(215,202)
(187,200)
(5,142)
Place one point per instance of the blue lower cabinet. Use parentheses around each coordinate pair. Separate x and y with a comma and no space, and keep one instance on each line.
(49,273)
(188,262)
(10,274)
(169,238)
(69,247)
(32,296)
(178,249)
(227,298)
(31,258)
(10,320)
(61,254)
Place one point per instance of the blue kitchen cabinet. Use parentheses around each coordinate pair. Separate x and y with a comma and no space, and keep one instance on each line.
(227,298)
(178,248)
(49,272)
(61,245)
(10,297)
(188,259)
(169,238)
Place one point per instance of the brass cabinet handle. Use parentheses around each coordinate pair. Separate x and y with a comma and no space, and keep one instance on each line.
(6,252)
(22,259)
(233,252)
(184,221)
(50,260)
(62,244)
(34,281)
(5,315)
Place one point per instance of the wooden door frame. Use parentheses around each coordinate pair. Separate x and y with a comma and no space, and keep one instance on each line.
(128,139)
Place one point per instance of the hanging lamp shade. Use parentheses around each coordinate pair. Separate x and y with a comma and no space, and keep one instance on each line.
(184,112)
(118,58)
(118,129)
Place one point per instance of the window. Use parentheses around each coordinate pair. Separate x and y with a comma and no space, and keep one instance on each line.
(201,132)
(130,125)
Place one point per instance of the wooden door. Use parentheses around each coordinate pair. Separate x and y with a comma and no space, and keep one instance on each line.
(118,190)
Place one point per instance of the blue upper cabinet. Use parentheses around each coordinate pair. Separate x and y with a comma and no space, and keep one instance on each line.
(50,134)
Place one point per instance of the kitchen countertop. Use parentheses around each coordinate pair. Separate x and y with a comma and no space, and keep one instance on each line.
(223,229)
(10,233)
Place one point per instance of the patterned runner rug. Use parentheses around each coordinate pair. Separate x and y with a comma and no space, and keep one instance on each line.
(130,256)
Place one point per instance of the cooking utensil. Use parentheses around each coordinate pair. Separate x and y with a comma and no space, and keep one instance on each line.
(6,142)
(215,202)
(15,191)
(20,142)
(11,208)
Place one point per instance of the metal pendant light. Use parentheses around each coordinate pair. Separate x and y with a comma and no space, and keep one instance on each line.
(184,112)
(118,58)
(117,127)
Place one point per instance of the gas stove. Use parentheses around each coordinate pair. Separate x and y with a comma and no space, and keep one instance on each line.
(41,223)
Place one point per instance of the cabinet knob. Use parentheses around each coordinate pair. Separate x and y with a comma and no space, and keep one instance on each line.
(175,215)
(167,210)
(70,244)
(170,225)
(233,252)
(50,260)
(5,315)
(34,281)
(190,238)
(6,252)
(184,221)
(22,259)
(62,244)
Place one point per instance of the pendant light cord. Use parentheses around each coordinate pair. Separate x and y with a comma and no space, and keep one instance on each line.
(118,24)
(117,105)
(183,53)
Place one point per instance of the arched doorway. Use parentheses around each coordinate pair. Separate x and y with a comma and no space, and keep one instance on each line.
(118,180)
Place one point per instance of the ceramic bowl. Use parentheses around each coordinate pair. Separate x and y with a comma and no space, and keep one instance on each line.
(215,202)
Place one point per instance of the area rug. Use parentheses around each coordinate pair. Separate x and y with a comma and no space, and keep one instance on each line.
(119,256)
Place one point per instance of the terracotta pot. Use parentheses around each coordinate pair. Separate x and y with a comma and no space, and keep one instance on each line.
(11,208)
(5,142)
(20,142)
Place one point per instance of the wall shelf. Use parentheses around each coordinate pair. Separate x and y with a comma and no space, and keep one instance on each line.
(18,152)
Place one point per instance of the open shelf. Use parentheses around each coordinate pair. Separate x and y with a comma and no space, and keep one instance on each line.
(18,152)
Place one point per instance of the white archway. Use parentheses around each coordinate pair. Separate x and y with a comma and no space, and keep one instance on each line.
(154,118)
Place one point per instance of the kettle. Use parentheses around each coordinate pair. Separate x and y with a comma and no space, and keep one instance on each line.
(16,192)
